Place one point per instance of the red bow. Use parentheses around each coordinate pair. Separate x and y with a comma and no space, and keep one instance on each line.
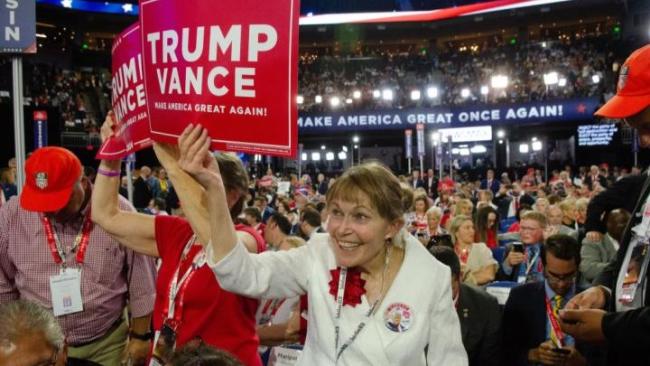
(354,286)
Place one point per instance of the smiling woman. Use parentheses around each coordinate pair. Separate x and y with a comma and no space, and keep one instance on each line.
(376,296)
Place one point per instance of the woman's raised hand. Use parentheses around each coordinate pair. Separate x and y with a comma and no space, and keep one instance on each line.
(196,158)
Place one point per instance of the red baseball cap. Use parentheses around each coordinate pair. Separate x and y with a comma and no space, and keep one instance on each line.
(50,175)
(633,88)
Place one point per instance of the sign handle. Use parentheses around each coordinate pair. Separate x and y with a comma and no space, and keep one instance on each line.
(19,119)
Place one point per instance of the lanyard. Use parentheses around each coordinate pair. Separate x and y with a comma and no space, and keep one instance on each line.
(339,305)
(555,326)
(532,262)
(58,250)
(177,287)
(273,305)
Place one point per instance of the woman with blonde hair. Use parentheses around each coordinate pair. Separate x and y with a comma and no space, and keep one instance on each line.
(477,265)
(368,304)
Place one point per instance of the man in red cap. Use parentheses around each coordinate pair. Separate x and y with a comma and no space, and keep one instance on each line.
(52,254)
(617,311)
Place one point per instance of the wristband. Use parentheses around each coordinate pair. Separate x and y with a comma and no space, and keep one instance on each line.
(143,337)
(109,173)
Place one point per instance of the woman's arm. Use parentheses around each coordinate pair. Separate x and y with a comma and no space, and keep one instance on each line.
(270,275)
(133,230)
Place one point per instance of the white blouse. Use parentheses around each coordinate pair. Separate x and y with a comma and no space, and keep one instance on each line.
(420,294)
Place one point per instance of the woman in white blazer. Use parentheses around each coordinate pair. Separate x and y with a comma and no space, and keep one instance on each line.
(376,296)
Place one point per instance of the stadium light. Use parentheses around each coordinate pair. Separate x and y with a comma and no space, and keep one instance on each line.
(322,147)
(315,156)
(464,152)
(485,90)
(537,145)
(551,78)
(329,156)
(387,94)
(355,139)
(523,148)
(415,95)
(335,101)
(501,134)
(455,151)
(344,148)
(432,92)
(343,155)
(499,82)
(562,82)
(356,94)
(376,94)
(300,99)
(318,99)
(464,93)
(534,138)
(595,78)
(348,101)
(304,156)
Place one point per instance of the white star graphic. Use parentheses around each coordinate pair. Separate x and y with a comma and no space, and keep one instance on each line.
(128,8)
(66,3)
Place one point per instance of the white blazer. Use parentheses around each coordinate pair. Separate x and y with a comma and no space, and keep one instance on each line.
(422,286)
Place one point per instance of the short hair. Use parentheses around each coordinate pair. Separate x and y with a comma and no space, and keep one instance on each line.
(320,206)
(563,247)
(261,197)
(282,221)
(193,354)
(235,178)
(455,224)
(254,212)
(464,201)
(536,216)
(311,216)
(448,257)
(160,203)
(22,318)
(567,204)
(582,203)
(374,181)
(434,211)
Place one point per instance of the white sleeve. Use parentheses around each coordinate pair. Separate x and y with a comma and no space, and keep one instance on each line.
(445,342)
(268,275)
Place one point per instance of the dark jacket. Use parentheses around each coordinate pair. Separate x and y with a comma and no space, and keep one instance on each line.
(627,333)
(480,324)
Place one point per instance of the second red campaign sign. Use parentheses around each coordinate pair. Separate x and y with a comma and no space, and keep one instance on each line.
(230,66)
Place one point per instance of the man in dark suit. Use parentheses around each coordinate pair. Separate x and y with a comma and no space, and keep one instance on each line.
(510,199)
(593,177)
(416,180)
(490,182)
(531,331)
(478,312)
(142,190)
(624,324)
(431,184)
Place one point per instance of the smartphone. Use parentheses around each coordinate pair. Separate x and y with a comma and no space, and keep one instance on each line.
(518,247)
(562,351)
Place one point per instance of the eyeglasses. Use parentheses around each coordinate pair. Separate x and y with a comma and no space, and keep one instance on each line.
(553,278)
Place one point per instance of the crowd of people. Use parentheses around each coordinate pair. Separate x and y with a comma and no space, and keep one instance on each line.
(576,60)
(365,268)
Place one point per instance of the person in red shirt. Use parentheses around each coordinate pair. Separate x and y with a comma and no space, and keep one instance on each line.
(190,304)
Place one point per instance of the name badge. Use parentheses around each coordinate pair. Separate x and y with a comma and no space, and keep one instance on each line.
(66,292)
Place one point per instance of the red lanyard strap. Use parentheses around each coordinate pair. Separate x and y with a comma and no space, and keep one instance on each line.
(177,288)
(555,326)
(80,244)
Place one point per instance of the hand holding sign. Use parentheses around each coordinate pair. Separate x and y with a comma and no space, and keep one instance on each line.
(228,66)
(196,158)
